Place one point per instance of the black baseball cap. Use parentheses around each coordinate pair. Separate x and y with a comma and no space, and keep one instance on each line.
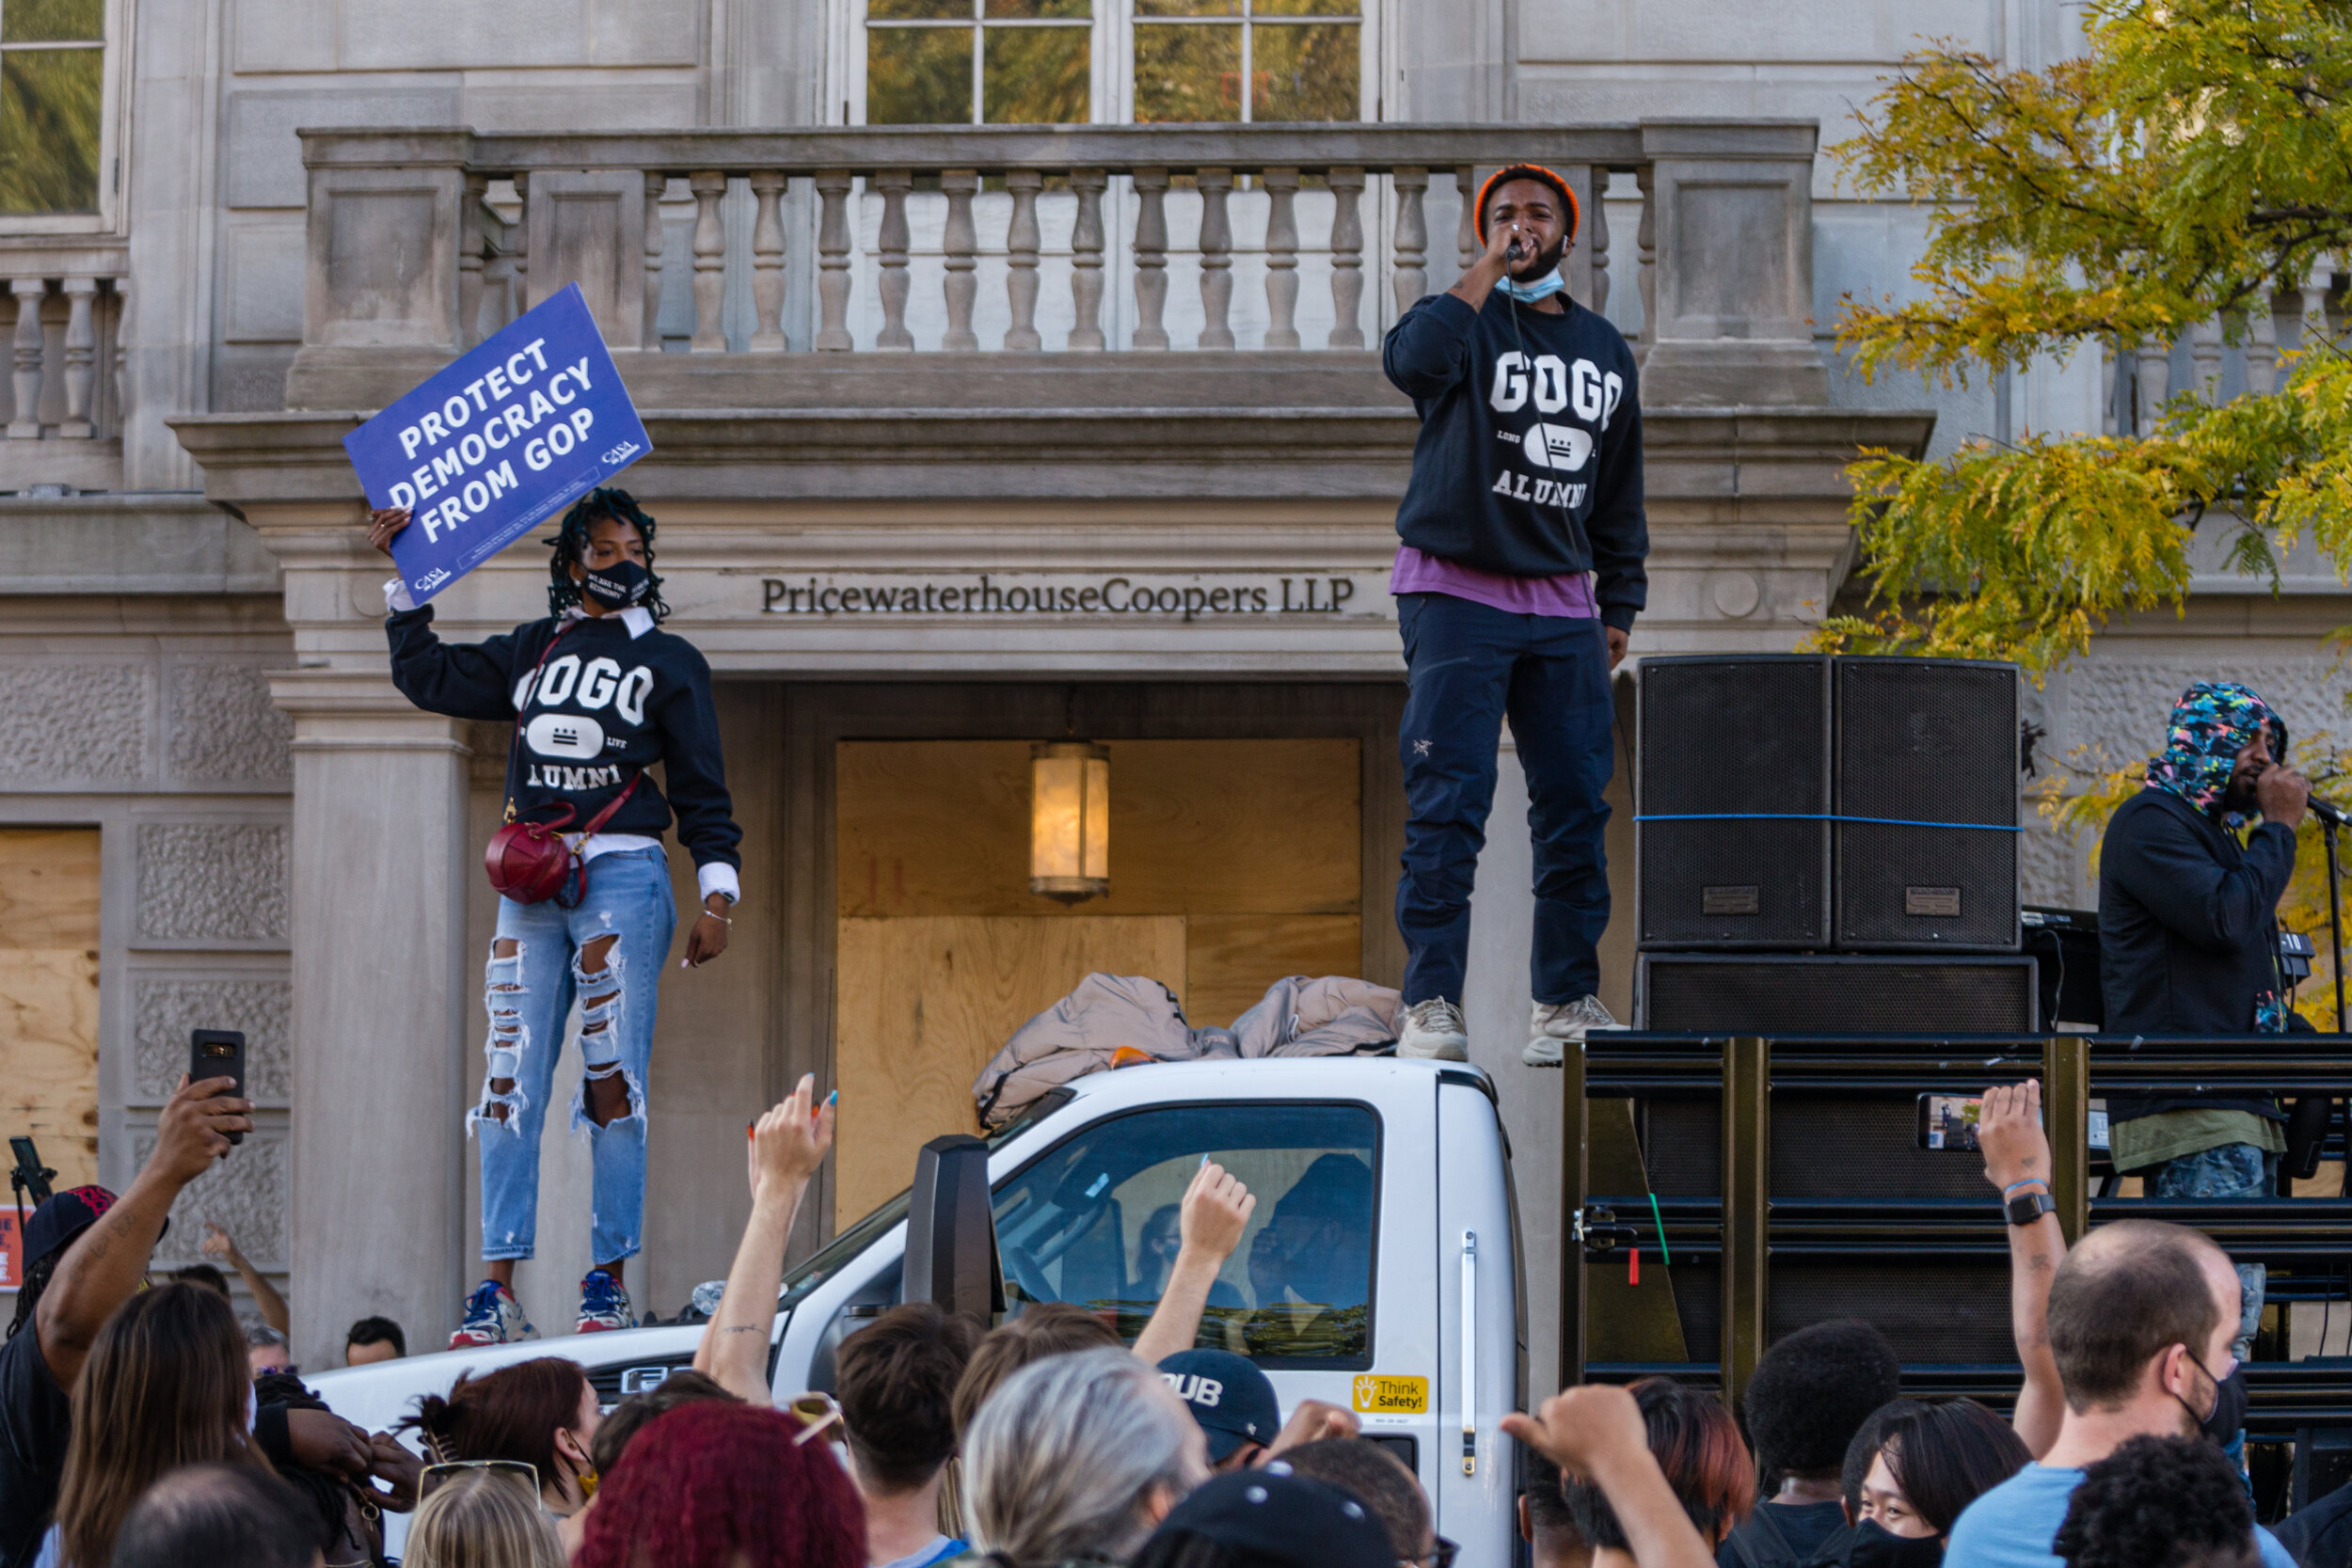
(1275,1517)
(62,1217)
(1232,1400)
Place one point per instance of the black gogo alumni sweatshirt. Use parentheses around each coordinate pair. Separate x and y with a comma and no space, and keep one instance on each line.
(1529,461)
(607,705)
(2187,930)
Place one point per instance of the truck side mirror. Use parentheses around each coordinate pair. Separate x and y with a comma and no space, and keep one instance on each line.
(951,1231)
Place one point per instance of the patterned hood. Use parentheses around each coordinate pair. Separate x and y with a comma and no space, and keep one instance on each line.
(2211,724)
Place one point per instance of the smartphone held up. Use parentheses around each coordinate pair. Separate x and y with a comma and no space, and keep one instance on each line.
(218,1054)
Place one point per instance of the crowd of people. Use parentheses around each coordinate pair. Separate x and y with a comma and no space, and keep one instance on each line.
(140,1424)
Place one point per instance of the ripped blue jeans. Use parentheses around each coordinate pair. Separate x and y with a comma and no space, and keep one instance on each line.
(530,996)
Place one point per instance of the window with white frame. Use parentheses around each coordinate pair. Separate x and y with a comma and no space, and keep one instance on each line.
(995,62)
(979,62)
(1247,60)
(52,106)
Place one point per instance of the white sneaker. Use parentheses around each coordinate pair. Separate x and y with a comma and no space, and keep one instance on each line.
(1432,1031)
(1556,1021)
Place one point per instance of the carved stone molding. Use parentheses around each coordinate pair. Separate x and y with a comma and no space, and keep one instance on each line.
(245,1193)
(74,723)
(167,1009)
(225,729)
(218,883)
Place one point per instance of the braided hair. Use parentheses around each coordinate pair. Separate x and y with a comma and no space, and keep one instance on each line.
(37,1275)
(570,544)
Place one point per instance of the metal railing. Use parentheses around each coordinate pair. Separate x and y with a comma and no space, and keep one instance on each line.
(1743,1227)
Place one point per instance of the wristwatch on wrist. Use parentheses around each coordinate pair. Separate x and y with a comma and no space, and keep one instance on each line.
(2026,1208)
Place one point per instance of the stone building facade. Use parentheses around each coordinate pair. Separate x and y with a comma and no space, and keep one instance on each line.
(295,212)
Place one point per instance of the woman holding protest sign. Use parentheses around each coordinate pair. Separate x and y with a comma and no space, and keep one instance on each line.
(598,693)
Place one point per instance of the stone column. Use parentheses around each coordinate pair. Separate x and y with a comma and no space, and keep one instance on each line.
(382,1070)
(1729,214)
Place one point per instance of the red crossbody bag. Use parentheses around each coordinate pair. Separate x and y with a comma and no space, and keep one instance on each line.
(529,861)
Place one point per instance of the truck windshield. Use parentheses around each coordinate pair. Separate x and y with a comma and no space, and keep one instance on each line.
(799,1282)
(1094,1222)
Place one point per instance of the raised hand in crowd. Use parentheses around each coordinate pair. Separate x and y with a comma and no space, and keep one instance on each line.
(218,1244)
(103,1267)
(1595,1432)
(1214,1217)
(1312,1421)
(788,1144)
(2017,1161)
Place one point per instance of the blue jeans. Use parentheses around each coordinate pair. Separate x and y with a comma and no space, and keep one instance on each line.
(626,895)
(1470,665)
(2227,1170)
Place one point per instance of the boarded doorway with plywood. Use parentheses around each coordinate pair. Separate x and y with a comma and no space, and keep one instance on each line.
(48,995)
(1234,864)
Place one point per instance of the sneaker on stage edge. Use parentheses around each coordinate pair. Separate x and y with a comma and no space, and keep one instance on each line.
(603,1304)
(1432,1031)
(1556,1021)
(493,1316)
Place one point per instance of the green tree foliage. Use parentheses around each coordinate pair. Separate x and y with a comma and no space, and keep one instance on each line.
(2196,159)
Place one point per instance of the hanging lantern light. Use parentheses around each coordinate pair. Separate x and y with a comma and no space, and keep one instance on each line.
(1069,820)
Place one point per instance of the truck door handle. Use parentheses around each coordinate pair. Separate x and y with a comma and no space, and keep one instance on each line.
(1469,1352)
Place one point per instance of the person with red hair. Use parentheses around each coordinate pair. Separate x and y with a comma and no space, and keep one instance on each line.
(1656,1475)
(726,1485)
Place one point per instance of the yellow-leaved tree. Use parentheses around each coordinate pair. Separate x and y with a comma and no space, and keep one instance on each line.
(2193,164)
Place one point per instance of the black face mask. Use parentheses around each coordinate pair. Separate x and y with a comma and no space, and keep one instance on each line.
(618,586)
(1876,1547)
(2229,1409)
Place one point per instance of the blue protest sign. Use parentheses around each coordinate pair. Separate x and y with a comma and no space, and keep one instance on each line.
(511,433)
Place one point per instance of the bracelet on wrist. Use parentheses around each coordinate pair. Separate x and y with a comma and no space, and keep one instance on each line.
(2029,1181)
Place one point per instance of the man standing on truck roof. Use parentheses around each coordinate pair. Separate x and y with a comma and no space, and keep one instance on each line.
(1517,584)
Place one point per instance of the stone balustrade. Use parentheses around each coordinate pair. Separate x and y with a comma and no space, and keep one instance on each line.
(423,241)
(67,306)
(2221,358)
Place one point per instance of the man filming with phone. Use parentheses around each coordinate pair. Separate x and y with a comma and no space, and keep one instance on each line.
(2188,941)
(1517,582)
(85,1251)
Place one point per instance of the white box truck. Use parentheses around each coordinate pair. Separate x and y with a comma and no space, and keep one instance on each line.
(1382,1270)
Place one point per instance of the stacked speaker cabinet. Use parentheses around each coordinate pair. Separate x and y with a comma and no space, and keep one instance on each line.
(1925,791)
(1732,798)
(1803,805)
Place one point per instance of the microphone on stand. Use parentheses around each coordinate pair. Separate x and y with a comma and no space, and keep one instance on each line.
(2326,812)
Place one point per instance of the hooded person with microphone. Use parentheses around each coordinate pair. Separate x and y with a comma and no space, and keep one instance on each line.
(2188,943)
(1517,581)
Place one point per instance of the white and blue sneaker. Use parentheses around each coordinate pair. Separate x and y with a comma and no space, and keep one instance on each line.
(493,1316)
(603,1304)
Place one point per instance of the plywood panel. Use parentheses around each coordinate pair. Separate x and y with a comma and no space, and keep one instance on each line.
(49,1047)
(49,887)
(1233,958)
(1197,827)
(925,1001)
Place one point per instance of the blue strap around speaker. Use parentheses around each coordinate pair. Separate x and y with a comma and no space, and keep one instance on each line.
(1824,817)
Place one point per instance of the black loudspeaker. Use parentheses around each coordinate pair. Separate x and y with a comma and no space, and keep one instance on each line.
(1834,993)
(1733,784)
(1925,741)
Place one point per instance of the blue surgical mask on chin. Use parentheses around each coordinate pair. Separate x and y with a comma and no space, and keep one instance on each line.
(1528,293)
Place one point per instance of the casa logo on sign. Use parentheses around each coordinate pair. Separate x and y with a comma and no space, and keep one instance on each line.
(1377,1395)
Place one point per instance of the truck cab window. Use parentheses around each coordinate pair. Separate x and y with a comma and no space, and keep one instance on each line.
(1094,1221)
